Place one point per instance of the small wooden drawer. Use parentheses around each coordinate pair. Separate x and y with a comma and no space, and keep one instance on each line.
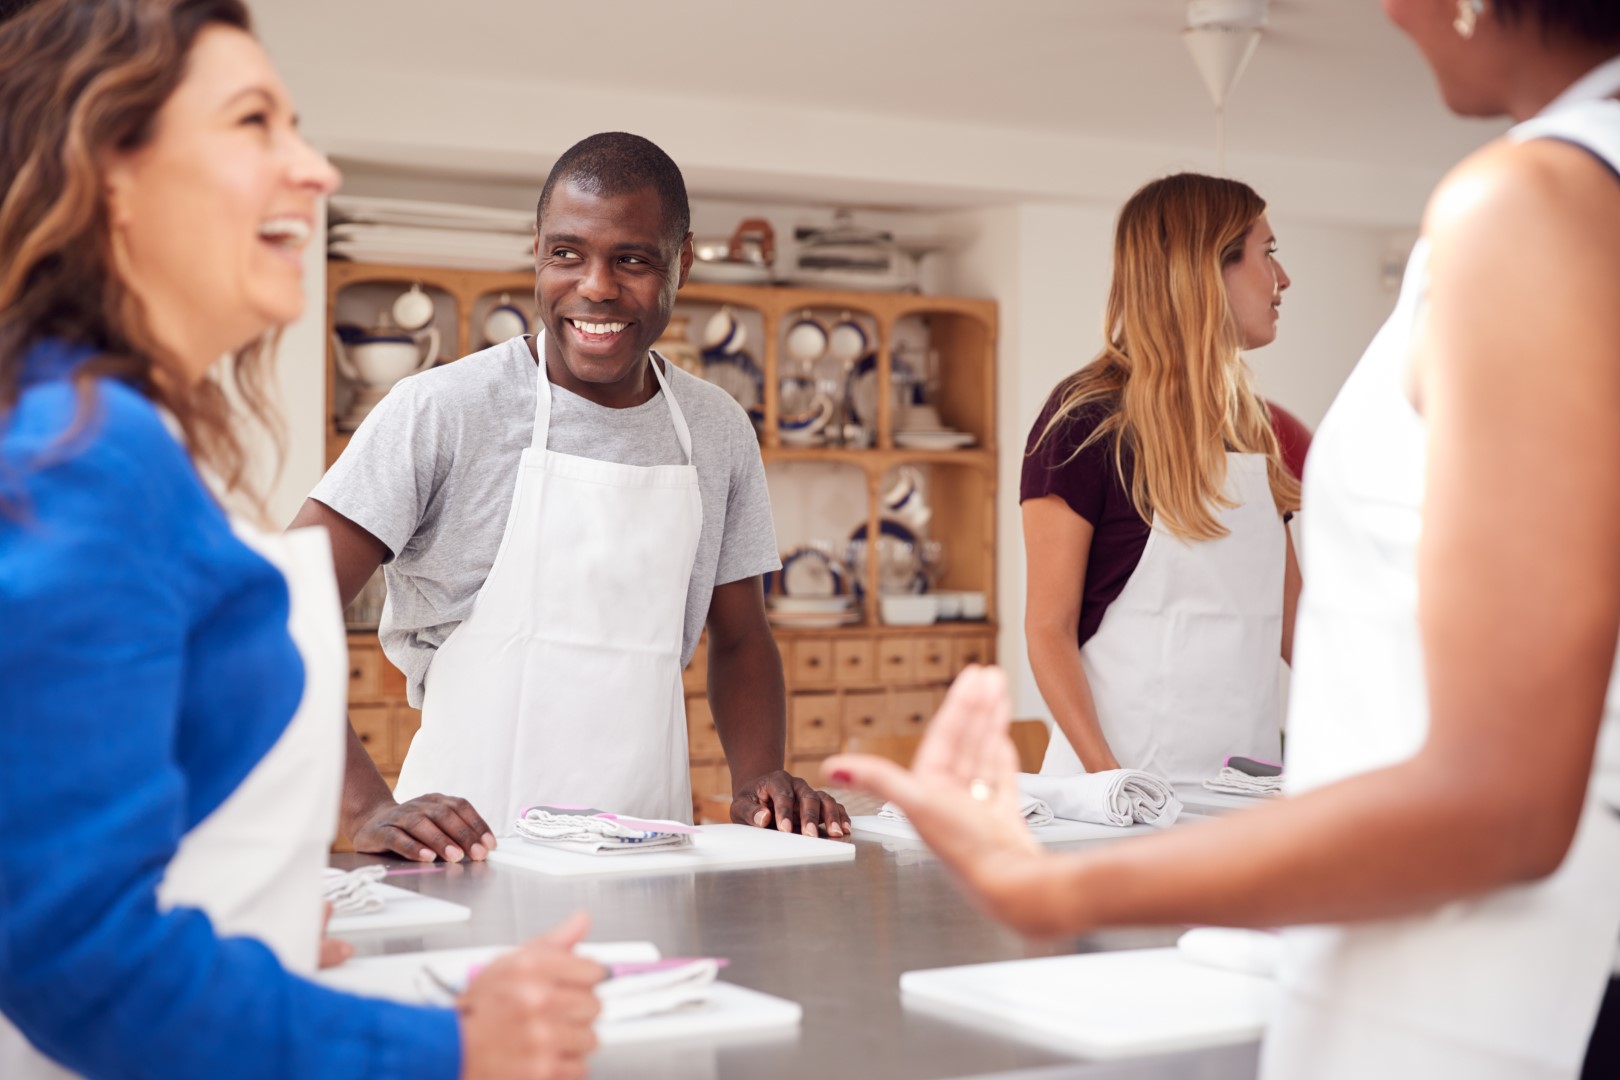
(811,664)
(910,711)
(897,659)
(973,650)
(711,782)
(363,663)
(807,769)
(404,722)
(702,740)
(371,723)
(390,680)
(865,713)
(695,679)
(852,662)
(933,659)
(813,725)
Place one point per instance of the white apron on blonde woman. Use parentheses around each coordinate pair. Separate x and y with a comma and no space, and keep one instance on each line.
(1184,668)
(564,684)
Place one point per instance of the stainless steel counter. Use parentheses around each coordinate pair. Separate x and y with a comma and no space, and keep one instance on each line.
(834,938)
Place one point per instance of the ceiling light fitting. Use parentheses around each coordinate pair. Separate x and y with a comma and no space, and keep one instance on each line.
(1222,35)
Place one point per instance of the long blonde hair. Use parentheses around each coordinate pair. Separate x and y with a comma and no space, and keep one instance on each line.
(90,76)
(1178,392)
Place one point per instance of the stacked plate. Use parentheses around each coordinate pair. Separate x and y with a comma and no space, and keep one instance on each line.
(922,429)
(811,612)
(809,592)
(430,234)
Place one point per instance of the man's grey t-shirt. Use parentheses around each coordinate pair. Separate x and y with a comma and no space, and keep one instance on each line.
(431,474)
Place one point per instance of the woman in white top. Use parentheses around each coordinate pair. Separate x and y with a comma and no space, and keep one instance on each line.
(1448,857)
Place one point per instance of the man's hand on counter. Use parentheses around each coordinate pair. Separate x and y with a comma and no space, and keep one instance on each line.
(426,828)
(783,801)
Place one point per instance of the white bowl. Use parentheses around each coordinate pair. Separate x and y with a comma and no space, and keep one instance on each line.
(950,604)
(974,606)
(908,610)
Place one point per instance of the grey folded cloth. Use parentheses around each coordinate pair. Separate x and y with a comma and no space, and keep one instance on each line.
(1236,782)
(1117,797)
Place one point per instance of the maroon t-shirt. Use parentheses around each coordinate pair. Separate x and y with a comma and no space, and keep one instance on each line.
(1092,487)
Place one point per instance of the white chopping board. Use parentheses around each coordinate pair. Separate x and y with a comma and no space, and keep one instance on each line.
(1200,797)
(1101,1005)
(1057,831)
(402,910)
(731,1010)
(714,847)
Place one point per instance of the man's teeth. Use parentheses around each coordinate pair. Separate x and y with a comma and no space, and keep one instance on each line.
(598,327)
(287,232)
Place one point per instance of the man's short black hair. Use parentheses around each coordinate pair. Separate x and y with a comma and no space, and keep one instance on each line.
(618,163)
(1596,21)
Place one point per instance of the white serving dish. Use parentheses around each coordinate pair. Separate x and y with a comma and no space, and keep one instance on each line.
(908,610)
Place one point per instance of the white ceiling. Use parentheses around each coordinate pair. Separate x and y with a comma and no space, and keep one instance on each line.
(896,104)
(1331,81)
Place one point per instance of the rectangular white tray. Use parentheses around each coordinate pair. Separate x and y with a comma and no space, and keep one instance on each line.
(732,1010)
(403,910)
(1101,1005)
(1058,831)
(715,847)
(1200,799)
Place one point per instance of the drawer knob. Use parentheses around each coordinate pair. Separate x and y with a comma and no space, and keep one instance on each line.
(815,721)
(814,661)
(867,720)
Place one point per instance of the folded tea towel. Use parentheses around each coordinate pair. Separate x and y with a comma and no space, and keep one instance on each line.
(592,832)
(1117,797)
(1236,782)
(351,892)
(657,988)
(1035,811)
(630,992)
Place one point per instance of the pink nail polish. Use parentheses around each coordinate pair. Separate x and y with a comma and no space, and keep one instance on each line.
(841,776)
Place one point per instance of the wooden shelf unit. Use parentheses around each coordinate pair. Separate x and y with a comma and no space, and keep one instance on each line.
(877,679)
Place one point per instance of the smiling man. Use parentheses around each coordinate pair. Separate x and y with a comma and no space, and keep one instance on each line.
(560,516)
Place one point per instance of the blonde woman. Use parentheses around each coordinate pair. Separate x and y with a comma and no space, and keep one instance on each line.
(1162,580)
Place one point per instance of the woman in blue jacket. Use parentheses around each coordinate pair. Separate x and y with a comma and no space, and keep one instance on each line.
(171,730)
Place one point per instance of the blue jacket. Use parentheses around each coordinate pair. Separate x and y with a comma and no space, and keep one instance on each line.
(145,667)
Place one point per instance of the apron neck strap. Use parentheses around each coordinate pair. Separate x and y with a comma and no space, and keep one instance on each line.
(542,401)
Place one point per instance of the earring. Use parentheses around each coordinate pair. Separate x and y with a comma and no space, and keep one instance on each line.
(1467,21)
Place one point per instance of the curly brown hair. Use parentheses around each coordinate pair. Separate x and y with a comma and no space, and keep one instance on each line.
(90,77)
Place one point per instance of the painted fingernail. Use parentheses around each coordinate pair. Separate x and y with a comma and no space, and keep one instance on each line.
(453,853)
(761,818)
(785,826)
(425,855)
(479,852)
(810,828)
(489,841)
(834,830)
(841,776)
